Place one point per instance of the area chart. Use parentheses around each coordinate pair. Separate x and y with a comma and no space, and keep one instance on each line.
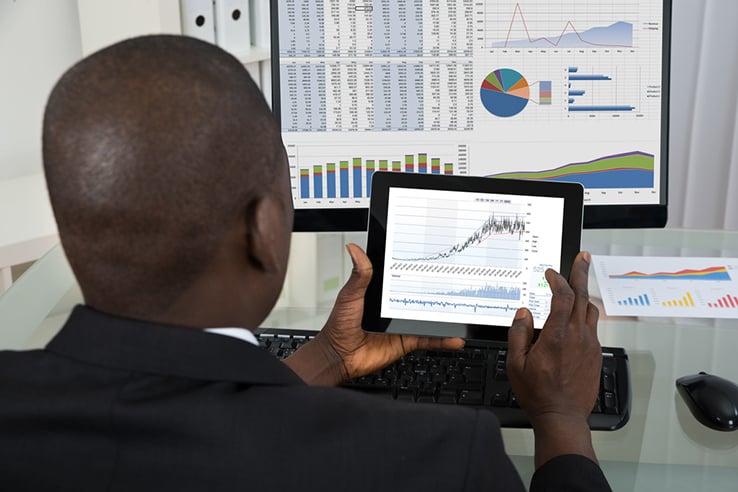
(628,170)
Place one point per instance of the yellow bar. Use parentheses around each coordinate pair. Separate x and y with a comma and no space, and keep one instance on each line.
(691,301)
(681,304)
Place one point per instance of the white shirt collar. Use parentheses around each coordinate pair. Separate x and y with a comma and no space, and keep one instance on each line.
(240,333)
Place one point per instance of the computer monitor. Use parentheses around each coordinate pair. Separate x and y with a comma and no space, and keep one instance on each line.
(569,90)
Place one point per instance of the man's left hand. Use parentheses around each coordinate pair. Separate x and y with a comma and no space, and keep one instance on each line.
(343,350)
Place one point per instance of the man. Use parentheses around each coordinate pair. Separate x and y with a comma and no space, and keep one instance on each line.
(169,184)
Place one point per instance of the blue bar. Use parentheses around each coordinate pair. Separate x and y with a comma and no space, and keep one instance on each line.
(344,183)
(331,185)
(573,69)
(304,187)
(576,93)
(571,101)
(630,301)
(369,175)
(318,185)
(589,77)
(648,303)
(591,109)
(357,182)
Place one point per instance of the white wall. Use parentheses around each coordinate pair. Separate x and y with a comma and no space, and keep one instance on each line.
(39,40)
(703,179)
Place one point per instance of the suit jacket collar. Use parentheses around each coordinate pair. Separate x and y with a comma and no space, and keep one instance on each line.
(97,338)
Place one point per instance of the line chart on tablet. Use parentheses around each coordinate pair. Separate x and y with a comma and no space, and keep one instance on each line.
(461,237)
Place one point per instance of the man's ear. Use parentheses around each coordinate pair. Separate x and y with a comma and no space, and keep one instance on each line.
(262,221)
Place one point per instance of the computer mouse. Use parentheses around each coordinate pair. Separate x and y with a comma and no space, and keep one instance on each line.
(711,399)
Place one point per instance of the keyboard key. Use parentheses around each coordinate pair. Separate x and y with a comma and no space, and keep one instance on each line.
(501,399)
(470,397)
(447,396)
(473,374)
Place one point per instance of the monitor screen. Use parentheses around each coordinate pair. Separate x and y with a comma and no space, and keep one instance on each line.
(565,90)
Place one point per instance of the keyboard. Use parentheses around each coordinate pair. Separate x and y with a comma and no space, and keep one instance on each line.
(475,376)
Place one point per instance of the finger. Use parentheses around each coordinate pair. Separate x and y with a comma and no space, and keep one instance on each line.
(361,274)
(412,343)
(519,337)
(562,301)
(593,315)
(579,280)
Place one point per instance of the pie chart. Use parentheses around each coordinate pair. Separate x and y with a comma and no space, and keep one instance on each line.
(505,92)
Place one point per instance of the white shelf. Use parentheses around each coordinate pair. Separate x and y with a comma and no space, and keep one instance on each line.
(254,55)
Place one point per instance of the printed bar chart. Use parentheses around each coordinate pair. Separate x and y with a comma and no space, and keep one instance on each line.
(726,302)
(641,300)
(435,166)
(686,301)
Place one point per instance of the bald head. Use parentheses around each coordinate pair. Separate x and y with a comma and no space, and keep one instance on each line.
(153,149)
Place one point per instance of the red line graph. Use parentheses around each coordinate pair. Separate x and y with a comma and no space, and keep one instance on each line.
(519,10)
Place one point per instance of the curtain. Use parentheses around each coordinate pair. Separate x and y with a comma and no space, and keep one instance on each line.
(703,165)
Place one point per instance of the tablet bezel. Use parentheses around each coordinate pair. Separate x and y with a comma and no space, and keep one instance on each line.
(382,182)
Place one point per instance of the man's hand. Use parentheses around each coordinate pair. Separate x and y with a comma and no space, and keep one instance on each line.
(556,379)
(343,350)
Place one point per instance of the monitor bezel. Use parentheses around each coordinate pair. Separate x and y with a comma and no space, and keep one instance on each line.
(595,216)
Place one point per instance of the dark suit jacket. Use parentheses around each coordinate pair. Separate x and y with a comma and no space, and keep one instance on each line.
(116,404)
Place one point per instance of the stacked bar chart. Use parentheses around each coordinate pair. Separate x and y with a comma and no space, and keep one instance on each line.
(318,181)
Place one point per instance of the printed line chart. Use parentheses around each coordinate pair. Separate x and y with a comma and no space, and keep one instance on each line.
(668,286)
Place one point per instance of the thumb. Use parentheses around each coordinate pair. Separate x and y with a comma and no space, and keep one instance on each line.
(519,336)
(361,274)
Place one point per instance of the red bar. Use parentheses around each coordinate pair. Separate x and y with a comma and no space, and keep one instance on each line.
(720,301)
(730,301)
(735,299)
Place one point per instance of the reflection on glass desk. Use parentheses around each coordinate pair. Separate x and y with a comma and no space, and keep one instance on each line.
(662,447)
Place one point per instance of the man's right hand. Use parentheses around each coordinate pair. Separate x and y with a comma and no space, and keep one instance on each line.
(556,379)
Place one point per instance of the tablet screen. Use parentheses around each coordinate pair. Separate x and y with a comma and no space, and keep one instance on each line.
(451,253)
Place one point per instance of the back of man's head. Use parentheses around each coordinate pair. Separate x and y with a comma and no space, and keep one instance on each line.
(152,148)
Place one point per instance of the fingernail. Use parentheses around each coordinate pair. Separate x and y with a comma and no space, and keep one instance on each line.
(586,256)
(520,314)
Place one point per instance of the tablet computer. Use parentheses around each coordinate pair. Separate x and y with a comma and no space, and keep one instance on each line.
(458,255)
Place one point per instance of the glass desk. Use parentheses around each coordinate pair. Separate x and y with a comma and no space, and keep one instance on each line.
(661,448)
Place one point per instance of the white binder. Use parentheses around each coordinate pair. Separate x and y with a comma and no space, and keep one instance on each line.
(232,26)
(260,18)
(198,19)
